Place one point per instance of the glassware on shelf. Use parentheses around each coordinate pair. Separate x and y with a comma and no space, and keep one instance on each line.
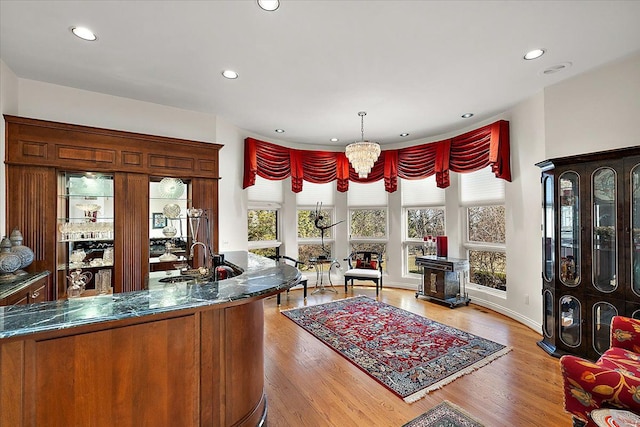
(70,231)
(194,216)
(171,211)
(107,256)
(77,257)
(103,282)
(78,282)
(167,255)
(171,188)
(169,231)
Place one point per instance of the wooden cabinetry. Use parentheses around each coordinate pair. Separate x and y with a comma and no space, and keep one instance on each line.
(191,367)
(32,290)
(590,248)
(38,151)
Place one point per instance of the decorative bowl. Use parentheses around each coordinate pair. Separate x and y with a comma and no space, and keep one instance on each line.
(171,188)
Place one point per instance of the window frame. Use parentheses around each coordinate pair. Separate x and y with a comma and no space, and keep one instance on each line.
(408,242)
(328,241)
(266,244)
(470,245)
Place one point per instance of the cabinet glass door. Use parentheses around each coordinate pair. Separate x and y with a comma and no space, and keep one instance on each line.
(569,228)
(635,229)
(548,244)
(570,321)
(603,313)
(549,315)
(604,257)
(168,232)
(85,233)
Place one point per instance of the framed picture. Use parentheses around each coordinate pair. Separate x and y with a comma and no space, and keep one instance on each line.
(159,220)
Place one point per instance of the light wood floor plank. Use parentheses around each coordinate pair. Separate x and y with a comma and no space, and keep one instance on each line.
(309,384)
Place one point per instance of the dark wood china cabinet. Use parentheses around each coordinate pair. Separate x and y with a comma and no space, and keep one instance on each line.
(590,248)
(76,189)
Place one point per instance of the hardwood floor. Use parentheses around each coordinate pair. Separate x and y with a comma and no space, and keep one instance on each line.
(309,384)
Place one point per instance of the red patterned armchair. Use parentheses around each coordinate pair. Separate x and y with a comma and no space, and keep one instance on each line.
(613,381)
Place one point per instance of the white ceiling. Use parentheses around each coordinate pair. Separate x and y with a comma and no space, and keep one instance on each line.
(310,66)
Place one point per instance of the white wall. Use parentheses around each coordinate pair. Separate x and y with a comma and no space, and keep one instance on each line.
(46,101)
(232,203)
(523,299)
(8,105)
(594,111)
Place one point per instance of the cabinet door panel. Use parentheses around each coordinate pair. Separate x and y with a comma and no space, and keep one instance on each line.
(632,228)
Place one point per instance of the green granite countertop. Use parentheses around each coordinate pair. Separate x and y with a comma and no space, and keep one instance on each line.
(261,276)
(19,281)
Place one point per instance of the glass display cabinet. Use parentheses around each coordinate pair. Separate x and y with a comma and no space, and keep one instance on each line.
(590,248)
(85,233)
(169,238)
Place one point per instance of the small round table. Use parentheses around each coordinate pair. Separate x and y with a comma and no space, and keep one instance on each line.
(318,264)
(615,418)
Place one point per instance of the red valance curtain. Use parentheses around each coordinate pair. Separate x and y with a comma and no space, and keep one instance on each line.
(472,151)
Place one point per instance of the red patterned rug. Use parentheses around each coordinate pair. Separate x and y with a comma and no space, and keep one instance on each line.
(407,353)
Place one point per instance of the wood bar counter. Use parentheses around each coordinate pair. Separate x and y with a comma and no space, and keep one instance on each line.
(176,354)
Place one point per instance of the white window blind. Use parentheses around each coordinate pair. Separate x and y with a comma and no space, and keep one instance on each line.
(266,191)
(421,192)
(481,187)
(370,194)
(312,194)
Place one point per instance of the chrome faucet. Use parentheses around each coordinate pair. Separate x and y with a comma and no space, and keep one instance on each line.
(206,251)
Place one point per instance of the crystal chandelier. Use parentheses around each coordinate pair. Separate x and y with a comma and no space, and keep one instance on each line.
(362,154)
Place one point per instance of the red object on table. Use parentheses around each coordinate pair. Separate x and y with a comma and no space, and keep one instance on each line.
(441,246)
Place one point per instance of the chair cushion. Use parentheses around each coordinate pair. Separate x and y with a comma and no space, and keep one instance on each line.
(621,360)
(363,272)
(360,263)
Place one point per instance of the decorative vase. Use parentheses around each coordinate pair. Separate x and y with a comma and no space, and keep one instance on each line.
(169,231)
(9,262)
(25,253)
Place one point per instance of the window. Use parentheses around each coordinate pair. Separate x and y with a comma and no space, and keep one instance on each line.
(263,223)
(423,210)
(482,196)
(262,227)
(368,221)
(313,242)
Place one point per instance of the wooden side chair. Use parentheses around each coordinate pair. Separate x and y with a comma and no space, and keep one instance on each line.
(364,265)
(294,262)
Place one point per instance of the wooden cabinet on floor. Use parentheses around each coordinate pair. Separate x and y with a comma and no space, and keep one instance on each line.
(193,367)
(38,151)
(590,248)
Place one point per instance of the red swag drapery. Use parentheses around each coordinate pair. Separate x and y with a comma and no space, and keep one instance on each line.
(472,151)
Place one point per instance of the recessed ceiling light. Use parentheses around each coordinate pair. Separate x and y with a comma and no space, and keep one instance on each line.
(404,134)
(533,54)
(467,115)
(334,140)
(84,33)
(269,5)
(280,130)
(230,74)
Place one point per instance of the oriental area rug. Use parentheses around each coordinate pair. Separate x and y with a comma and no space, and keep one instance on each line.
(446,414)
(407,353)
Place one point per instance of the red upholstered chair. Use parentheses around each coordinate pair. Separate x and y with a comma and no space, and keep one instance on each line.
(364,265)
(613,381)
